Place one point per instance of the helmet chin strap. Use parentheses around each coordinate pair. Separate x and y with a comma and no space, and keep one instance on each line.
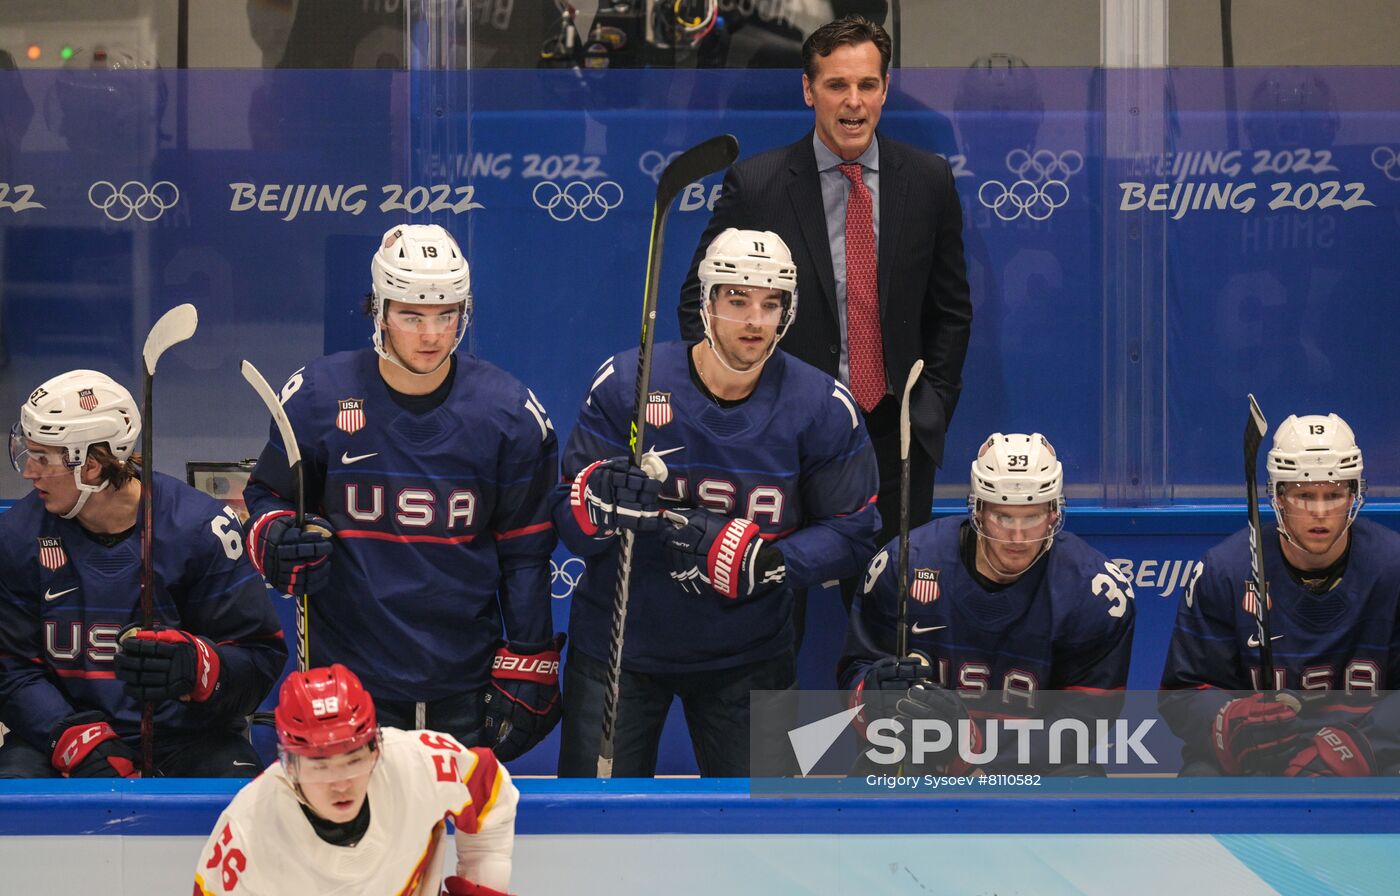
(85,491)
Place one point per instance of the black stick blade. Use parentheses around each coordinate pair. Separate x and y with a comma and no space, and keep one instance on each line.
(701,160)
(1256,423)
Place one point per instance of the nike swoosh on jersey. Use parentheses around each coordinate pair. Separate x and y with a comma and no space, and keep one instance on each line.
(49,595)
(346,459)
(1254,640)
(922,629)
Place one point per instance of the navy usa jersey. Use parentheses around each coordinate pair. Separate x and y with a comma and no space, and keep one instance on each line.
(65,597)
(794,457)
(441,519)
(1337,650)
(1066,624)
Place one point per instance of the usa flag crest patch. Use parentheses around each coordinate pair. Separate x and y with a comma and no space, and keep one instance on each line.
(51,553)
(86,399)
(924,586)
(1251,600)
(351,416)
(658,408)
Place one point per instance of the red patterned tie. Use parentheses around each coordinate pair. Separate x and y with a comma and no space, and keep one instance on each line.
(867,350)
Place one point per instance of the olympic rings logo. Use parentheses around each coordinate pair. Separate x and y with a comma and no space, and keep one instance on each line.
(1035,201)
(579,198)
(1388,161)
(1044,165)
(564,577)
(652,163)
(133,198)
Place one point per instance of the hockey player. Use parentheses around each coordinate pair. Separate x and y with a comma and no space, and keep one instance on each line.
(432,469)
(1003,606)
(75,665)
(771,468)
(356,808)
(1333,584)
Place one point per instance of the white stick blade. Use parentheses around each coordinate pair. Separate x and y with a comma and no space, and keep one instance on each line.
(274,407)
(174,326)
(914,372)
(1258,416)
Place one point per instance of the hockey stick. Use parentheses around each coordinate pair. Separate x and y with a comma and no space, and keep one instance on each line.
(901,634)
(289,441)
(174,327)
(699,161)
(1254,429)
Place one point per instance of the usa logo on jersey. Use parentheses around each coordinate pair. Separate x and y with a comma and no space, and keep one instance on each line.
(1251,600)
(351,417)
(658,408)
(86,399)
(51,553)
(924,588)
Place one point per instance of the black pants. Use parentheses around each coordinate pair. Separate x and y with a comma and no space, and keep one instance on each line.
(459,715)
(716,707)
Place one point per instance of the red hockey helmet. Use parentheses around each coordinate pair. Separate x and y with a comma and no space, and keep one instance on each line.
(324,712)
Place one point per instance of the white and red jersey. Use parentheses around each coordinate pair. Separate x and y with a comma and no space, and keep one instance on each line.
(263,844)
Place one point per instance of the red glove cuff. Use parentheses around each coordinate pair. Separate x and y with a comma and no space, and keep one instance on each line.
(460,886)
(1338,750)
(540,668)
(206,659)
(257,533)
(76,743)
(579,505)
(726,559)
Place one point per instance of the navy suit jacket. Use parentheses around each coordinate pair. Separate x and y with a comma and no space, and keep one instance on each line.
(925,308)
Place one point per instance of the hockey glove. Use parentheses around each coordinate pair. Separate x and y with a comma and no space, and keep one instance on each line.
(294,561)
(167,664)
(460,886)
(85,746)
(725,553)
(1254,734)
(521,704)
(885,681)
(608,495)
(1334,751)
(928,702)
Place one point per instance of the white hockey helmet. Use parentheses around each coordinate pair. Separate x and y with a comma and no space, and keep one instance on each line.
(1315,448)
(1015,468)
(748,258)
(74,411)
(419,264)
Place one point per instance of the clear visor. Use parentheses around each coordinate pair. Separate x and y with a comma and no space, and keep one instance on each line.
(45,460)
(758,306)
(421,320)
(1316,497)
(1017,524)
(358,763)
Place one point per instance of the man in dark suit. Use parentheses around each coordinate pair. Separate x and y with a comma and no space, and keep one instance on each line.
(868,311)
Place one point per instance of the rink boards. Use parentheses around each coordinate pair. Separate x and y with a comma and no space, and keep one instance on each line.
(689,836)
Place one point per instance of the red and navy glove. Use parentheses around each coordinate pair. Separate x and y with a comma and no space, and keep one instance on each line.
(723,552)
(521,704)
(294,561)
(85,746)
(167,664)
(884,682)
(1338,751)
(926,700)
(608,495)
(1255,734)
(460,886)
